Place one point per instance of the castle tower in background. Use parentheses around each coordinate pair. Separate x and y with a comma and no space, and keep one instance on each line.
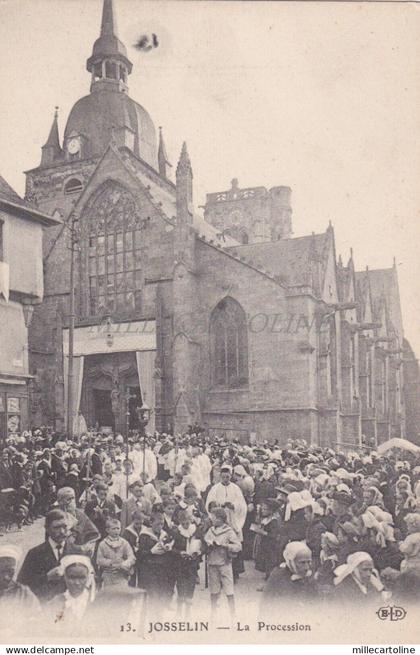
(251,215)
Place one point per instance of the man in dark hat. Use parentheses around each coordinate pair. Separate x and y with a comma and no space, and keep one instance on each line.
(341,502)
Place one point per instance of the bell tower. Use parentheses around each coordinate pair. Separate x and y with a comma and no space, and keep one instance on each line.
(109,63)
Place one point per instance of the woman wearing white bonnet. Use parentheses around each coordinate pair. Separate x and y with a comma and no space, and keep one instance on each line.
(292,581)
(14,597)
(357,580)
(70,608)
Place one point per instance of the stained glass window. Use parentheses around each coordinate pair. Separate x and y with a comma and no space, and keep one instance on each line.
(229,345)
(114,252)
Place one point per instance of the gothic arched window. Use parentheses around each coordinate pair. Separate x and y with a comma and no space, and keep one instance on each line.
(114,252)
(229,345)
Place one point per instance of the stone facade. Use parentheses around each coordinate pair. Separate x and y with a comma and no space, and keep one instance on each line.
(21,288)
(258,335)
(251,215)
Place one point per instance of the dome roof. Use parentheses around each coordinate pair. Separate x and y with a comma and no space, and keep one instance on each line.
(96,116)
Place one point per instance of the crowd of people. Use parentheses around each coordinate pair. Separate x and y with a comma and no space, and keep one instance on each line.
(154,517)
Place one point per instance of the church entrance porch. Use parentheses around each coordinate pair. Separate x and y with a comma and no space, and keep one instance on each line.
(112,364)
(107,381)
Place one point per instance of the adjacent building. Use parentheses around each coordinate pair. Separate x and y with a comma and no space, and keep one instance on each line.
(21,288)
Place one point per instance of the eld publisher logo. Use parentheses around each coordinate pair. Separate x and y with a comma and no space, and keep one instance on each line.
(391,613)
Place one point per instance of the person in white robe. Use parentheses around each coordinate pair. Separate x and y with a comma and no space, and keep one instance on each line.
(196,473)
(180,456)
(206,466)
(137,455)
(228,495)
(79,425)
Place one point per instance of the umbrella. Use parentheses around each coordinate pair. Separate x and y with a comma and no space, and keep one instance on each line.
(404,444)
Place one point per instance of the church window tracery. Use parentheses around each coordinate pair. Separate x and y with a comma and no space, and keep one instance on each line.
(229,345)
(114,252)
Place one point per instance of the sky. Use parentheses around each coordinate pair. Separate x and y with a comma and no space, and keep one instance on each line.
(321,97)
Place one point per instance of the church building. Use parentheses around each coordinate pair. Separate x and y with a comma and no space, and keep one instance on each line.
(222,319)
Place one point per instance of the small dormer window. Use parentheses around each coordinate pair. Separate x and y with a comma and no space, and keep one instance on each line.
(73,186)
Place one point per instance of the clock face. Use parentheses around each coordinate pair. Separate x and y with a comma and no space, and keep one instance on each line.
(73,146)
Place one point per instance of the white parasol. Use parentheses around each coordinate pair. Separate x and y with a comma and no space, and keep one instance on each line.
(404,444)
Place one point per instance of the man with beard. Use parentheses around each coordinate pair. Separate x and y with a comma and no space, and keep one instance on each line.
(82,531)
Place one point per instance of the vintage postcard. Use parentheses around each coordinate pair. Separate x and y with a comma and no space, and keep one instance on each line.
(209,312)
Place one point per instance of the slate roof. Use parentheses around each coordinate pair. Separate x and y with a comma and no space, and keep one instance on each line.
(294,261)
(13,201)
(8,193)
(165,197)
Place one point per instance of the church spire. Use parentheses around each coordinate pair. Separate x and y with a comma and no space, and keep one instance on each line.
(184,186)
(162,156)
(109,63)
(184,164)
(109,21)
(51,149)
(53,140)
